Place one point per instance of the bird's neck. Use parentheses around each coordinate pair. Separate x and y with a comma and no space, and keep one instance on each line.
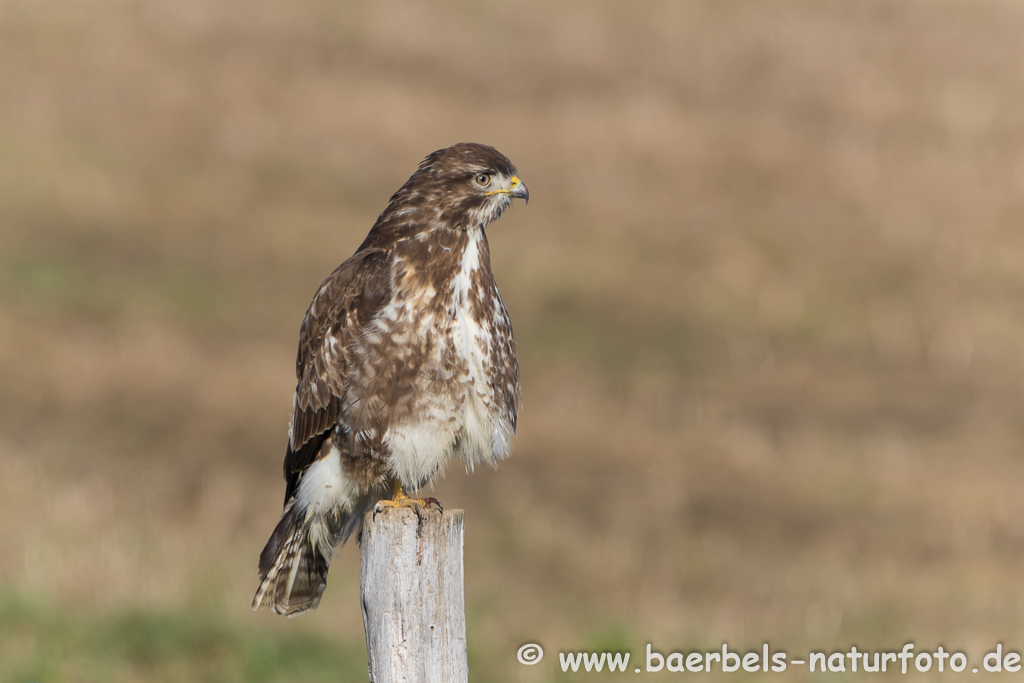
(436,256)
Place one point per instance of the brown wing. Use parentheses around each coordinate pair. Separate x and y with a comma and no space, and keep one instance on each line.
(345,303)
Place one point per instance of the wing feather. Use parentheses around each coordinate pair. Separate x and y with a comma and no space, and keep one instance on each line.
(344,305)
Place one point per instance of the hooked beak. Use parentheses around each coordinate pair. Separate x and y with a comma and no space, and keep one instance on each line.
(517,188)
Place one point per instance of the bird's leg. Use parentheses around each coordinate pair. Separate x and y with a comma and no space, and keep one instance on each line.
(400,499)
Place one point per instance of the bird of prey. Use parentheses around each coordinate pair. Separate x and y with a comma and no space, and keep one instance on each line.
(406,361)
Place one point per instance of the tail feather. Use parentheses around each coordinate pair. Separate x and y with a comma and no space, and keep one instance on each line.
(324,508)
(294,563)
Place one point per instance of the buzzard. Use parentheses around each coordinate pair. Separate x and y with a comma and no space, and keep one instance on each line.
(406,360)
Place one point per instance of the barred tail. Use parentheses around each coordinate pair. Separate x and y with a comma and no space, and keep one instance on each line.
(294,563)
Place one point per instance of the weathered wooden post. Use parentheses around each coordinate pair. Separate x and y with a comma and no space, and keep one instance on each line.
(411,584)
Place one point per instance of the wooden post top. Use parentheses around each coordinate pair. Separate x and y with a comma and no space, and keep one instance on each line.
(412,589)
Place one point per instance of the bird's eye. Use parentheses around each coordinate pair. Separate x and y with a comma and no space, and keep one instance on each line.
(483,180)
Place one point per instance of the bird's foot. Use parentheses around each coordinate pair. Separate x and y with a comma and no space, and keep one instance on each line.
(400,499)
(407,502)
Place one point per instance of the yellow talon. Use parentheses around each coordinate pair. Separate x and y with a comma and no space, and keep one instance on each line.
(400,499)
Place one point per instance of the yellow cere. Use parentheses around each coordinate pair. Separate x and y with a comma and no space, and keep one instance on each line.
(514,182)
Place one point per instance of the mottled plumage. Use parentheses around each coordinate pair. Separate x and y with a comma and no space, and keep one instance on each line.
(406,360)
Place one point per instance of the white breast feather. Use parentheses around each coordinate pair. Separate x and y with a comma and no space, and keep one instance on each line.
(472,344)
(420,448)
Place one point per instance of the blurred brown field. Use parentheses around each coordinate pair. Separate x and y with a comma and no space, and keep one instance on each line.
(768,300)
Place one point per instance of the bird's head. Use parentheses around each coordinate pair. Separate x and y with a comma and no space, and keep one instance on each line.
(470,184)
